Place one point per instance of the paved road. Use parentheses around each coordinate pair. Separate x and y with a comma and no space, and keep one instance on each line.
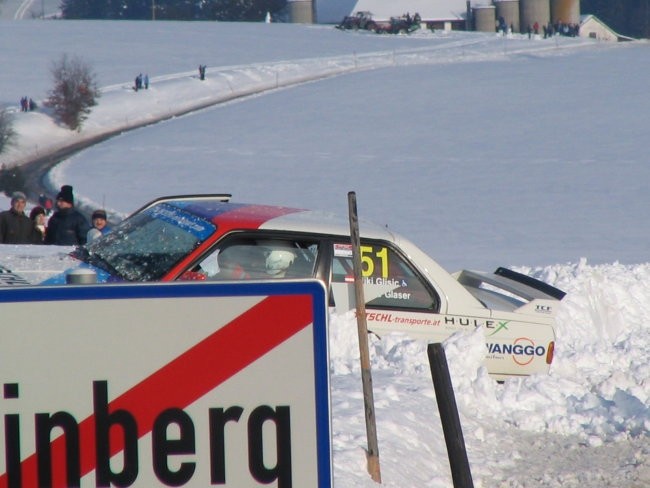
(27,9)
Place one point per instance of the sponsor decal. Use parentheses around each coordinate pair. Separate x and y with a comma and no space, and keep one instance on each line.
(343,250)
(470,322)
(392,318)
(523,350)
(183,220)
(503,325)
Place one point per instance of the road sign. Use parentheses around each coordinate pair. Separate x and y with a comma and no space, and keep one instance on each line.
(176,384)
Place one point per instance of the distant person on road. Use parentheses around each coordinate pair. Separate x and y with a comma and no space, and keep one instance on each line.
(15,226)
(100,225)
(138,82)
(67,226)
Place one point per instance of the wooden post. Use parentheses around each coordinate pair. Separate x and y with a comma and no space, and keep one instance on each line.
(372,454)
(460,472)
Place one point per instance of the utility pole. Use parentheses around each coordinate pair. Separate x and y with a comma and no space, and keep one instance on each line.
(153,9)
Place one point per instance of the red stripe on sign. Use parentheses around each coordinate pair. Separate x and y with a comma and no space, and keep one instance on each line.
(187,378)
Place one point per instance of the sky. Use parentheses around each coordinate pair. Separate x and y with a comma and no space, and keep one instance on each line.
(484,151)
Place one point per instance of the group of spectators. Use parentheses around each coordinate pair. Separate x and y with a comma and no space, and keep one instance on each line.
(67,226)
(550,30)
(27,104)
(141,82)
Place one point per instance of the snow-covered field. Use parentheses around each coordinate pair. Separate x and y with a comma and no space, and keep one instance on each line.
(485,151)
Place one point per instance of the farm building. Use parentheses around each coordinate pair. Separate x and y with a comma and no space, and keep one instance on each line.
(592,26)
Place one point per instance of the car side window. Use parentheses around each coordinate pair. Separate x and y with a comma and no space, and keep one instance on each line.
(389,280)
(255,258)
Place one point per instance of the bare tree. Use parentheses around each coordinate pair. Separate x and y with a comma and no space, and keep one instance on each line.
(75,91)
(7,133)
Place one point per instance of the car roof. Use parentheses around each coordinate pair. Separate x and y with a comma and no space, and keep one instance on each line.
(230,216)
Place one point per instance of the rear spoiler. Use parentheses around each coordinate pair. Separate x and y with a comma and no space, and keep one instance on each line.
(532,282)
(516,283)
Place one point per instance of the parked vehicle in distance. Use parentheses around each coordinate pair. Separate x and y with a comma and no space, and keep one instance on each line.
(404,24)
(207,237)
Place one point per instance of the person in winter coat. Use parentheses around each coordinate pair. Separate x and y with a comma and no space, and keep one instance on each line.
(67,226)
(100,225)
(15,226)
(38,217)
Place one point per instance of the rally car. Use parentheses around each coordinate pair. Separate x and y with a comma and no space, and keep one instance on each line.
(207,237)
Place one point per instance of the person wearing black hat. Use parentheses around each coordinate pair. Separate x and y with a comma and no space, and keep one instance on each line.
(15,226)
(67,226)
(100,225)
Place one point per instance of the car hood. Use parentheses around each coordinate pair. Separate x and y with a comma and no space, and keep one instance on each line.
(102,276)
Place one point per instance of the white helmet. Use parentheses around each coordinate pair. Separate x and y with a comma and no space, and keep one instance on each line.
(278,261)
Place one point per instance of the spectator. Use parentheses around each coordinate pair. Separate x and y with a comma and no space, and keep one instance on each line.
(100,225)
(15,226)
(49,206)
(37,216)
(67,227)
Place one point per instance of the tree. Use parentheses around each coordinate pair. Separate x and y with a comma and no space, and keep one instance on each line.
(75,91)
(226,10)
(7,133)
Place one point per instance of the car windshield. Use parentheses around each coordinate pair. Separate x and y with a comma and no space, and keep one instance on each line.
(147,245)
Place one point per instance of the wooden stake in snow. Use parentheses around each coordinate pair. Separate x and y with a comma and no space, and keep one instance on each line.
(372,454)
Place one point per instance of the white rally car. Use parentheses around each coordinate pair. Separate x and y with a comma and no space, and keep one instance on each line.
(207,237)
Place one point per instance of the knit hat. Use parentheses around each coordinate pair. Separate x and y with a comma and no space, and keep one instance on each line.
(99,214)
(66,194)
(18,195)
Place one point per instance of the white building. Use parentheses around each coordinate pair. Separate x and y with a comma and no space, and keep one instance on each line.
(591,26)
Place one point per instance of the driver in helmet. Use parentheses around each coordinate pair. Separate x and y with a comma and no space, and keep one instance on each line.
(278,261)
